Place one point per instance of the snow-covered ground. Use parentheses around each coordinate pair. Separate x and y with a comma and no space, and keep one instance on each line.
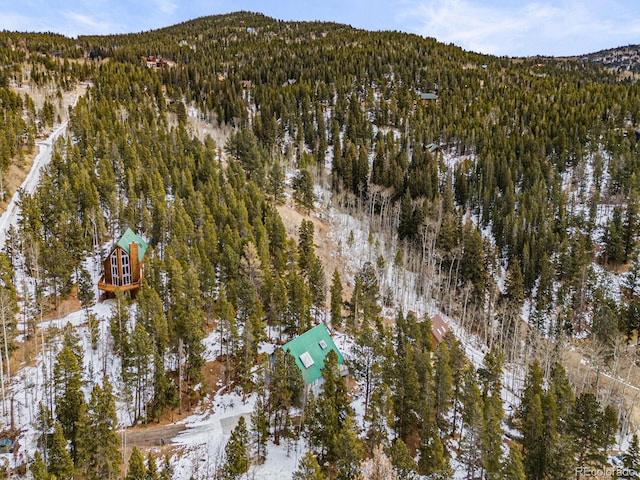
(33,382)
(201,444)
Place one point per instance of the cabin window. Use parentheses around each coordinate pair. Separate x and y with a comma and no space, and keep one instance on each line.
(126,268)
(114,268)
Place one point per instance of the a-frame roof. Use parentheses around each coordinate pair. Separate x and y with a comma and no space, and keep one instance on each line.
(127,238)
(309,350)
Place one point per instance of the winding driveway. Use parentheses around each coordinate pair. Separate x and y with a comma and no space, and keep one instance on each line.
(12,213)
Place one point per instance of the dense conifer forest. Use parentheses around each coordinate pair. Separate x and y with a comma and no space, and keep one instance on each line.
(507,201)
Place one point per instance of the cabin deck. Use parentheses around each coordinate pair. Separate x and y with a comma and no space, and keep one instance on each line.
(108,287)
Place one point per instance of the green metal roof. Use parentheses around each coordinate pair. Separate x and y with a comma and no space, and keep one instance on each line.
(127,238)
(428,96)
(432,147)
(312,342)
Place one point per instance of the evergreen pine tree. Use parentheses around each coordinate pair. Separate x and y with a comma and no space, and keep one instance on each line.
(631,225)
(470,453)
(614,239)
(100,449)
(306,246)
(632,280)
(308,468)
(472,264)
(402,461)
(39,468)
(303,190)
(138,367)
(60,460)
(530,416)
(152,468)
(260,430)
(408,224)
(512,468)
(405,385)
(286,386)
(86,294)
(136,469)
(458,366)
(276,178)
(562,396)
(631,461)
(317,286)
(366,362)
(237,459)
(534,443)
(492,415)
(44,425)
(592,430)
(380,416)
(69,399)
(443,389)
(433,462)
(336,299)
(326,415)
(350,451)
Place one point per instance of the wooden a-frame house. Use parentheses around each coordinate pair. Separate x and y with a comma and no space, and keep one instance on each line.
(123,268)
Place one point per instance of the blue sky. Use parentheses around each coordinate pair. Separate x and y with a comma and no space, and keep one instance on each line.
(499,27)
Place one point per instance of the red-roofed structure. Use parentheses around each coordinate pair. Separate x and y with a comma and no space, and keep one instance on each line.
(439,328)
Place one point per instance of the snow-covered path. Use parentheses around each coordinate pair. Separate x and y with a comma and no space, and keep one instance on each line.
(10,216)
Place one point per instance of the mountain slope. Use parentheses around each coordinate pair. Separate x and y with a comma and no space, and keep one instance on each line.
(501,193)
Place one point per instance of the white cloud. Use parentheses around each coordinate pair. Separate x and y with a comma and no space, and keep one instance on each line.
(167,6)
(86,23)
(508,28)
(83,20)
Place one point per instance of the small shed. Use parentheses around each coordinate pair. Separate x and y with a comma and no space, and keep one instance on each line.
(124,266)
(309,351)
(439,329)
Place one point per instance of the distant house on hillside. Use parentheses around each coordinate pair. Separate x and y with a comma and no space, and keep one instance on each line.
(309,351)
(427,98)
(439,329)
(434,148)
(123,268)
(155,62)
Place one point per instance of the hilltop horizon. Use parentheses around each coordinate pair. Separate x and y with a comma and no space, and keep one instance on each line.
(500,28)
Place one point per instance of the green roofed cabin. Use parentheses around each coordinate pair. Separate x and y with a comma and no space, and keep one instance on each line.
(429,97)
(124,267)
(309,350)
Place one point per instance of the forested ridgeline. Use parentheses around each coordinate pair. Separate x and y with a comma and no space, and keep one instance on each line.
(508,188)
